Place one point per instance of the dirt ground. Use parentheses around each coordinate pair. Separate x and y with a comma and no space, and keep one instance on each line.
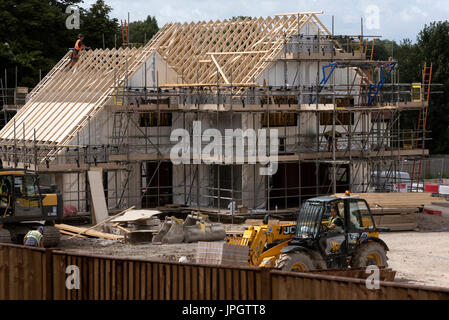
(166,252)
(419,257)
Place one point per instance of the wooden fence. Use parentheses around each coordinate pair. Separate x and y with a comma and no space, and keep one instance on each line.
(41,274)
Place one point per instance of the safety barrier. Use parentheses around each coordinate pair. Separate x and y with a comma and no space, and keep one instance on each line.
(27,273)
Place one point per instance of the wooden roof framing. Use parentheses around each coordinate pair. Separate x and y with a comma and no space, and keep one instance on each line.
(205,52)
(65,100)
(230,51)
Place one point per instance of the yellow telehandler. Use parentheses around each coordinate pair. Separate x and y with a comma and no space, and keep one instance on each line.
(309,244)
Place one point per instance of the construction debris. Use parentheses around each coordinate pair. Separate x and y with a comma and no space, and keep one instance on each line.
(195,228)
(107,220)
(136,215)
(76,231)
(137,226)
(139,236)
(68,233)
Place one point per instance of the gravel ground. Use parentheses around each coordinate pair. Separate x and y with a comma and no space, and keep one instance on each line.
(419,257)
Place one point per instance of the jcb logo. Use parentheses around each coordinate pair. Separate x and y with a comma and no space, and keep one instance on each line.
(288,230)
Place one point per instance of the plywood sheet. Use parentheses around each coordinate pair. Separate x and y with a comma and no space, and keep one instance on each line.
(136,215)
(97,194)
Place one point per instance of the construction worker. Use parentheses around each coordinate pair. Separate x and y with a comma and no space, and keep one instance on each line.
(329,135)
(4,196)
(79,45)
(34,238)
(335,223)
(335,228)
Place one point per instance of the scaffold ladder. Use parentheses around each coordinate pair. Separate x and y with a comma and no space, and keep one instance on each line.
(426,84)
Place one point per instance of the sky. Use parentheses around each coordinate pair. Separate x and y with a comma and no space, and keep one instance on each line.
(391,19)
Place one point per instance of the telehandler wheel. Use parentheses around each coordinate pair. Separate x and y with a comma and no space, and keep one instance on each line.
(297,261)
(318,261)
(51,236)
(371,253)
(5,236)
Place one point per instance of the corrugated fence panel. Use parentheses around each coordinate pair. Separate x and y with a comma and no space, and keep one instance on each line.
(28,273)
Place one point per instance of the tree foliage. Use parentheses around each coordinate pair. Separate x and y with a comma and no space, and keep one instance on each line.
(141,32)
(34,36)
(432,45)
(96,25)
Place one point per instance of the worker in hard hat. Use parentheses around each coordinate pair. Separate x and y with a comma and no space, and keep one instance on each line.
(79,45)
(34,238)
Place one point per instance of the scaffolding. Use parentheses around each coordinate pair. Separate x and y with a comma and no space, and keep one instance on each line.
(332,137)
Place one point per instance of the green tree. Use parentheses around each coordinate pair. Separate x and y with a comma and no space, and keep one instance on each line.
(237,18)
(433,42)
(33,36)
(141,32)
(96,24)
(382,49)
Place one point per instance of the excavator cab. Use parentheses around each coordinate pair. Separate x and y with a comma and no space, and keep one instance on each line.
(23,206)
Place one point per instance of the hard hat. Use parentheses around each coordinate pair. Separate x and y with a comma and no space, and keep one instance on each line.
(41,228)
(81,35)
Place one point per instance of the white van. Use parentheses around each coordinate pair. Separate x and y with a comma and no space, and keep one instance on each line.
(391,181)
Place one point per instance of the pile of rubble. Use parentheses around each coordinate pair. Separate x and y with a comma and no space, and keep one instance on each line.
(140,226)
(196,227)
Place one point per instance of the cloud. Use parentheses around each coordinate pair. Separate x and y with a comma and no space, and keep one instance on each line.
(398,19)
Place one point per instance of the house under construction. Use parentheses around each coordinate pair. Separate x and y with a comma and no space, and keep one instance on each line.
(116,110)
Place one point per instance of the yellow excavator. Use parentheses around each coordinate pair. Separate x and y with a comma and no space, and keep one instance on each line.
(308,244)
(25,205)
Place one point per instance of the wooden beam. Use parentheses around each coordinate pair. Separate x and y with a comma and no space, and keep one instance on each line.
(104,221)
(175,85)
(72,234)
(92,233)
(219,69)
(237,52)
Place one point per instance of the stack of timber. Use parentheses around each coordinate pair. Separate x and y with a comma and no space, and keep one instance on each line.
(397,211)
